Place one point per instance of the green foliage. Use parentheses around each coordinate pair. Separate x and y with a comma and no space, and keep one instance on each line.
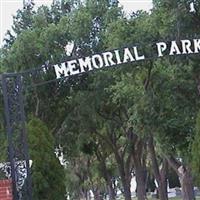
(91,115)
(47,173)
(196,152)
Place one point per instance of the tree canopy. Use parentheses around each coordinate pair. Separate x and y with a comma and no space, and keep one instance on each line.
(137,120)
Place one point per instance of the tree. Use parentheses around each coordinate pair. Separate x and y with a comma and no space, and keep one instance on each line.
(106,136)
(47,173)
(195,152)
(133,115)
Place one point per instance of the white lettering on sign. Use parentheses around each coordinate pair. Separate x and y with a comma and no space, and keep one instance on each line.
(123,56)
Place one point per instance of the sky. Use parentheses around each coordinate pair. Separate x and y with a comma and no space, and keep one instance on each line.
(8,8)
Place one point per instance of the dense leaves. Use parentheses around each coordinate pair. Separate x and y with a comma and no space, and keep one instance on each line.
(116,123)
(47,173)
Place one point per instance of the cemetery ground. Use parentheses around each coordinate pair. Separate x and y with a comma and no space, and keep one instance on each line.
(173,198)
(151,198)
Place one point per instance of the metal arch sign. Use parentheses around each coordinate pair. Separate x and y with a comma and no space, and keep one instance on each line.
(13,86)
(124,56)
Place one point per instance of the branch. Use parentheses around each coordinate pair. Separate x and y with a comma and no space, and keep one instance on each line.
(154,160)
(147,81)
(174,163)
(37,103)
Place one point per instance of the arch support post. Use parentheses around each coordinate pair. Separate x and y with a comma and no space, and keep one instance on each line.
(18,156)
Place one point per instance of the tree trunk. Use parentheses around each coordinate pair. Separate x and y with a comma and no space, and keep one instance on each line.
(97,195)
(86,195)
(185,178)
(141,176)
(111,191)
(106,175)
(125,179)
(163,175)
(161,192)
(127,191)
(161,187)
(186,183)
(139,159)
(125,175)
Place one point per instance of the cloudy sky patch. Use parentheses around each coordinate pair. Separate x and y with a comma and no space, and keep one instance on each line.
(8,8)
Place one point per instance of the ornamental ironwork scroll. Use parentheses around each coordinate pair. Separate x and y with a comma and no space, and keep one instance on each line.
(21,171)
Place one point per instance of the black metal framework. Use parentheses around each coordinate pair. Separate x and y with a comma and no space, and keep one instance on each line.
(12,87)
(18,168)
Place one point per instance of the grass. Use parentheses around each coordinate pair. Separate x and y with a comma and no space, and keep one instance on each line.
(173,198)
(150,198)
(176,198)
